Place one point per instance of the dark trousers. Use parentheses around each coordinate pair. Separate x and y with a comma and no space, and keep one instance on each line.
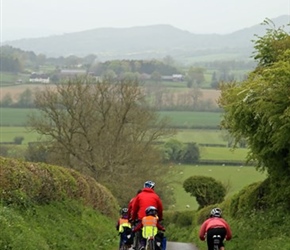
(221,231)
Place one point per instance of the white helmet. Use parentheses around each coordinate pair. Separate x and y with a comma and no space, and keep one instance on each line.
(216,212)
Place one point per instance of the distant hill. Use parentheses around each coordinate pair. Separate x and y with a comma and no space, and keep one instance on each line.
(146,42)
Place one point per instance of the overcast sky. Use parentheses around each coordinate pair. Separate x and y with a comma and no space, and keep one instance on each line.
(38,18)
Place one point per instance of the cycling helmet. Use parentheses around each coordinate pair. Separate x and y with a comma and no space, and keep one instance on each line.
(124,210)
(149,184)
(216,212)
(151,211)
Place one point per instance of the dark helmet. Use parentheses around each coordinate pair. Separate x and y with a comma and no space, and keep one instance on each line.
(124,211)
(149,184)
(216,212)
(151,211)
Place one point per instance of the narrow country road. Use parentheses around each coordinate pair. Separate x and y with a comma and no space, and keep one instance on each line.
(180,246)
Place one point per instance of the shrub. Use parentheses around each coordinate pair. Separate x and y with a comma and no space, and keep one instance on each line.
(205,189)
(252,197)
(25,183)
(18,140)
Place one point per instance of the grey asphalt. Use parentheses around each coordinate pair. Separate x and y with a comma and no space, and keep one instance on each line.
(180,246)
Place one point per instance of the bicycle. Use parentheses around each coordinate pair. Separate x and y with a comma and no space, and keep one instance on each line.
(157,242)
(216,241)
(126,239)
(136,240)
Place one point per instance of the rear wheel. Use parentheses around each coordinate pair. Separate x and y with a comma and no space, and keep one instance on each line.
(124,247)
(150,244)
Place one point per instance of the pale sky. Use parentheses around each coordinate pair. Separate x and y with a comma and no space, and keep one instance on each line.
(40,18)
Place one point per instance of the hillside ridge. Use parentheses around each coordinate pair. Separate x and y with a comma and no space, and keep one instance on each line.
(146,42)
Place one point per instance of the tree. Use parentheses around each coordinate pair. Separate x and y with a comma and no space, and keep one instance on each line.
(25,99)
(257,110)
(195,76)
(173,151)
(191,153)
(102,128)
(206,190)
(7,100)
(156,77)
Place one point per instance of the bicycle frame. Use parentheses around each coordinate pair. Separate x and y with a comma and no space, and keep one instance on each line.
(216,242)
(150,243)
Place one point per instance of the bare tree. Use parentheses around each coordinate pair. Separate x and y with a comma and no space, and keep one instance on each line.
(102,128)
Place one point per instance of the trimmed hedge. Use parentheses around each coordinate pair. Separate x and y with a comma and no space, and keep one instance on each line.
(26,183)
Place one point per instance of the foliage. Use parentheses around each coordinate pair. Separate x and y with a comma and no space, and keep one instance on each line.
(178,152)
(104,129)
(258,110)
(37,152)
(173,150)
(25,184)
(191,153)
(18,140)
(205,189)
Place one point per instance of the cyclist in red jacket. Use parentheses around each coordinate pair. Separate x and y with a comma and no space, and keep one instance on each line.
(146,198)
(130,205)
(215,225)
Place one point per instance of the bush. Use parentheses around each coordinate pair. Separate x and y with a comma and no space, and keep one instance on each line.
(25,183)
(18,140)
(205,189)
(252,197)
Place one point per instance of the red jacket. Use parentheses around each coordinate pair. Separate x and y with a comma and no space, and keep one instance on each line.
(212,223)
(130,207)
(143,200)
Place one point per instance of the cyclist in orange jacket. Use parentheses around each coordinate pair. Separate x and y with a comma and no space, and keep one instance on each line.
(149,225)
(215,225)
(124,228)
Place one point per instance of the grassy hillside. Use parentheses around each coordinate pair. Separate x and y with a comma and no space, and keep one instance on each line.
(56,225)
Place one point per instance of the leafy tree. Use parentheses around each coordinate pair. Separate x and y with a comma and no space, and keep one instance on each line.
(18,140)
(206,190)
(102,128)
(173,150)
(25,99)
(37,152)
(257,110)
(214,80)
(195,76)
(191,153)
(7,100)
(156,77)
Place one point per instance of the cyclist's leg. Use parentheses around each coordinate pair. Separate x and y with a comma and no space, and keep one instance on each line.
(209,238)
(222,232)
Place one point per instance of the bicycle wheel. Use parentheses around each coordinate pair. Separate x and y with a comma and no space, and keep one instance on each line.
(150,244)
(136,242)
(216,243)
(124,247)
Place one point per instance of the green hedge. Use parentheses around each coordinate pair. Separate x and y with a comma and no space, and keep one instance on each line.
(24,183)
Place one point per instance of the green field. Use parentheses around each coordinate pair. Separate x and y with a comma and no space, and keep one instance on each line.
(14,116)
(189,119)
(233,177)
(200,136)
(7,134)
(18,117)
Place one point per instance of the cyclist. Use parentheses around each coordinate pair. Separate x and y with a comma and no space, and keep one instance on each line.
(149,225)
(130,205)
(215,225)
(124,227)
(147,197)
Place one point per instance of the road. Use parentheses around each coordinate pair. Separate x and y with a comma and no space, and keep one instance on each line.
(179,246)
